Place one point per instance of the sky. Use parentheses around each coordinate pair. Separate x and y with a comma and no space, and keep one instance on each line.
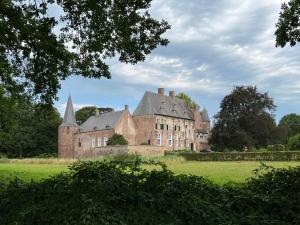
(214,46)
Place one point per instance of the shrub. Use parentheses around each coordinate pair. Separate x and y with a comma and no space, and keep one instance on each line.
(46,155)
(294,143)
(144,143)
(239,156)
(126,193)
(276,148)
(117,139)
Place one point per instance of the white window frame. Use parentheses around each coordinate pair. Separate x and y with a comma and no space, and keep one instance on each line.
(187,144)
(105,141)
(93,142)
(99,142)
(158,139)
(170,140)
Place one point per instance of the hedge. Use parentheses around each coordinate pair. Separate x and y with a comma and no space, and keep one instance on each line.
(240,156)
(113,193)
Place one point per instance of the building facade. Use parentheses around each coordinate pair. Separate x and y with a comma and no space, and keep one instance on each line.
(159,120)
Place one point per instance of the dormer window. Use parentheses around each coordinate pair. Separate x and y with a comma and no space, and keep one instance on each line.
(107,126)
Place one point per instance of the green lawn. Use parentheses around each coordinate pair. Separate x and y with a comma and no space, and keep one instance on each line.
(218,172)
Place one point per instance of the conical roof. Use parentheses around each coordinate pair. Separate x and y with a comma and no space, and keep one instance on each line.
(204,114)
(69,118)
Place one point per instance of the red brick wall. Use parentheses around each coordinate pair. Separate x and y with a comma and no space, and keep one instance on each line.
(66,141)
(126,126)
(86,140)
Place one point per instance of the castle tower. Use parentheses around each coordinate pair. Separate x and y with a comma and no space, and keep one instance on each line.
(205,119)
(66,132)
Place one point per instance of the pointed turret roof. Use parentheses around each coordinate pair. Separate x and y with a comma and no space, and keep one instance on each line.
(69,118)
(204,114)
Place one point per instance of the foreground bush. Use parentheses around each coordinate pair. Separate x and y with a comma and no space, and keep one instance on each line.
(125,193)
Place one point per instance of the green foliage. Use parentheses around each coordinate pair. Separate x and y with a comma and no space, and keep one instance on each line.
(86,112)
(117,139)
(294,143)
(35,51)
(144,143)
(26,128)
(276,148)
(287,27)
(245,120)
(126,193)
(291,123)
(190,103)
(243,156)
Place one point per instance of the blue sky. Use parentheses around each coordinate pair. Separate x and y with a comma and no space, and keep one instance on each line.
(214,45)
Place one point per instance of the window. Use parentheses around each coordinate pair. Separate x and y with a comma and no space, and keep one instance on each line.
(158,139)
(104,141)
(156,126)
(162,126)
(79,142)
(187,144)
(170,140)
(178,128)
(167,127)
(99,142)
(93,142)
(176,140)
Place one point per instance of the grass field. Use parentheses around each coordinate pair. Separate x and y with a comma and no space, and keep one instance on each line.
(218,172)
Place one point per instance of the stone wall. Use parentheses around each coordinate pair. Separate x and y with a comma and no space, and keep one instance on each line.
(115,150)
(83,141)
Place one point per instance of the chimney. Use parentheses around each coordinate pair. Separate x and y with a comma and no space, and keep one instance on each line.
(126,107)
(97,113)
(172,94)
(161,91)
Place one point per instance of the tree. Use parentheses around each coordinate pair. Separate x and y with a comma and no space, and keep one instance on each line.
(117,139)
(245,119)
(190,103)
(27,129)
(288,25)
(86,112)
(39,49)
(294,143)
(291,123)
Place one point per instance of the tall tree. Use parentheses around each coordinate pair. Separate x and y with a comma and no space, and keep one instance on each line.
(86,112)
(191,104)
(26,129)
(292,123)
(288,25)
(245,119)
(38,48)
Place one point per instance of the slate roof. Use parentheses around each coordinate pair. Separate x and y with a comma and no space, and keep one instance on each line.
(154,104)
(69,117)
(104,121)
(204,115)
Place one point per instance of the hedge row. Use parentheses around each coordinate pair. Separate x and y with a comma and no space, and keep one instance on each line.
(114,193)
(241,156)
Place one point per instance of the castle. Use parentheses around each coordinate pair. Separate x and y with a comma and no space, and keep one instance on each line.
(159,120)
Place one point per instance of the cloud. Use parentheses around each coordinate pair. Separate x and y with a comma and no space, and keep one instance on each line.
(214,45)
